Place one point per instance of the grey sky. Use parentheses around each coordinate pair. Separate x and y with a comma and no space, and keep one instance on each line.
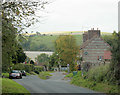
(79,15)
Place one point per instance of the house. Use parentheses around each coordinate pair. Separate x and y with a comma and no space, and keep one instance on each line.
(94,49)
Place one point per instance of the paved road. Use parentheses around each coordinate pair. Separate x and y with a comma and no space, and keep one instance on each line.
(55,84)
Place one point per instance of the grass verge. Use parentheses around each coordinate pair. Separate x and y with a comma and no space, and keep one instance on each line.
(78,80)
(10,86)
(6,75)
(44,75)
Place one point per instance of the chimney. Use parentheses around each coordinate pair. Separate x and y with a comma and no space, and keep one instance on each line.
(92,33)
(85,37)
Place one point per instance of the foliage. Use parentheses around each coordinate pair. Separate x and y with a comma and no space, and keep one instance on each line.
(44,75)
(38,68)
(18,67)
(15,17)
(6,75)
(21,56)
(93,85)
(22,13)
(10,86)
(114,73)
(69,75)
(42,58)
(29,68)
(99,73)
(44,43)
(53,62)
(67,50)
(33,73)
(9,44)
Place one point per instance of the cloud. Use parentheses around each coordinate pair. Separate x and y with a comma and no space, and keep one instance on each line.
(70,15)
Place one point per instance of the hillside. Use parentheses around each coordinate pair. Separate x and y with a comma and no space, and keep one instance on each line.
(44,43)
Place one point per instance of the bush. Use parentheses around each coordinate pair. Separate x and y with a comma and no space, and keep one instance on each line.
(18,66)
(29,68)
(38,68)
(5,75)
(98,73)
(33,73)
(44,75)
(69,75)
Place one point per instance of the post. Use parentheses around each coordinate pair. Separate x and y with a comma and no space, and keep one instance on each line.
(68,68)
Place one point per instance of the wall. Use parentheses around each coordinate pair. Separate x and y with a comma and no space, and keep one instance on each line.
(94,49)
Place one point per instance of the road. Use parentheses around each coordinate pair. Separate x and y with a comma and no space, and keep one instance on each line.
(55,84)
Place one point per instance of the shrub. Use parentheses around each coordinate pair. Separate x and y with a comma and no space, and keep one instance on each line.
(69,75)
(18,66)
(98,73)
(5,75)
(38,68)
(29,67)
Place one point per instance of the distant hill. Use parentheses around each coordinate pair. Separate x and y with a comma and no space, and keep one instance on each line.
(45,42)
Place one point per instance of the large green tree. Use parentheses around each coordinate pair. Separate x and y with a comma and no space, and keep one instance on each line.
(16,16)
(115,64)
(67,50)
(42,58)
(23,13)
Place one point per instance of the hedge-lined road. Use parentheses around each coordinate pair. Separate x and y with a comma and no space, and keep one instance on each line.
(55,84)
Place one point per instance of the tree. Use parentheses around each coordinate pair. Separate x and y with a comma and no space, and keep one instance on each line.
(42,58)
(9,44)
(20,55)
(67,50)
(115,64)
(22,12)
(53,61)
(15,17)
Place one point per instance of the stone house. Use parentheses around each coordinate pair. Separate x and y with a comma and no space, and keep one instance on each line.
(94,49)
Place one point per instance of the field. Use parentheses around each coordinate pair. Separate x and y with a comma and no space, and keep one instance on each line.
(44,43)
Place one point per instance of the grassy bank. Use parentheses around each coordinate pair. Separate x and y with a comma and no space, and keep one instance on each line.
(78,80)
(10,86)
(44,75)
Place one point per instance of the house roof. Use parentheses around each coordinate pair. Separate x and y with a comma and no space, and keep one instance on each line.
(88,41)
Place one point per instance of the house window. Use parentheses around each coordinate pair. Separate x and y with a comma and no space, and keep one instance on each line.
(100,58)
(86,53)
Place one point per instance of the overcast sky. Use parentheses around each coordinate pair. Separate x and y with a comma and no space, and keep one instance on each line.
(79,15)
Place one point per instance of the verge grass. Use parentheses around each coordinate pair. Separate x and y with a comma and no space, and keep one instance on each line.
(10,86)
(44,75)
(102,86)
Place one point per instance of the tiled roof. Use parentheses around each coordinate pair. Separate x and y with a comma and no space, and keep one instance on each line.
(88,41)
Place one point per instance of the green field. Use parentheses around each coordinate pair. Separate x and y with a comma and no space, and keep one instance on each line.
(10,86)
(44,43)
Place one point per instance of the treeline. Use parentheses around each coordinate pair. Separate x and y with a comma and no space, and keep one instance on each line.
(38,43)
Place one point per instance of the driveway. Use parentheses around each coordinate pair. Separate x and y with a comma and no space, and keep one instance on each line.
(55,84)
